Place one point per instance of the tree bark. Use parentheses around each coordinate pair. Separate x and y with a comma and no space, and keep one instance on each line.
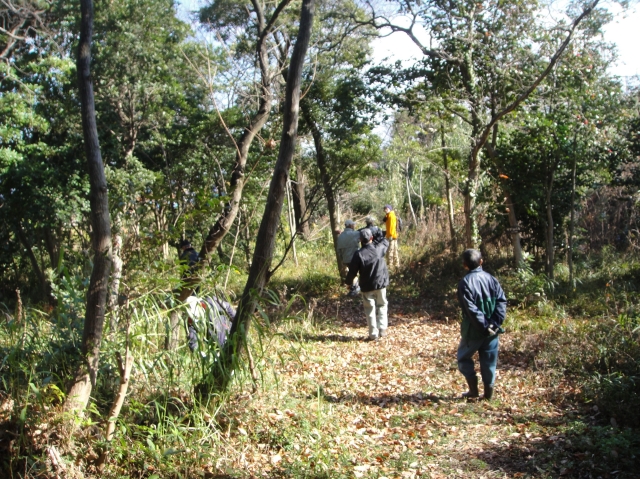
(85,376)
(549,260)
(447,187)
(300,202)
(116,271)
(53,246)
(515,232)
(325,178)
(572,219)
(265,241)
(408,185)
(44,284)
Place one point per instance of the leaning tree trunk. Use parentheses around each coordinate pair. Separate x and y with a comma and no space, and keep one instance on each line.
(408,185)
(325,177)
(223,224)
(85,376)
(238,180)
(265,241)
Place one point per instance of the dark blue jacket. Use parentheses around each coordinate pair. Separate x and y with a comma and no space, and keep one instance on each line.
(483,304)
(369,262)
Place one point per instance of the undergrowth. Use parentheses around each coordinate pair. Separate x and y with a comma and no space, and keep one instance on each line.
(571,354)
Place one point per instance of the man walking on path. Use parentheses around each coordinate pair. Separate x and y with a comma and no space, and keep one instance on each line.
(484,308)
(369,263)
(391,223)
(348,243)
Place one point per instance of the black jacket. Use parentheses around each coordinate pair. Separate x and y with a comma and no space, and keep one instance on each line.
(369,262)
(483,304)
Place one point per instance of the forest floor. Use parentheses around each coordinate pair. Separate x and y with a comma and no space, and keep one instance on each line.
(345,407)
(328,404)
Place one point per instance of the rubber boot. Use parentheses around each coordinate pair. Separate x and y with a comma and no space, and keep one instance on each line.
(473,388)
(488,392)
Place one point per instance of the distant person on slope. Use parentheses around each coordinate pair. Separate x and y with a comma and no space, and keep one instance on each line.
(375,231)
(348,243)
(369,263)
(391,234)
(484,308)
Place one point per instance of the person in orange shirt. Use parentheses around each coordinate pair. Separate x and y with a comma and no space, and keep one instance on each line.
(393,259)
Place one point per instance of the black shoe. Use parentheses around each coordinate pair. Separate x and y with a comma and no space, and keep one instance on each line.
(488,392)
(473,392)
(371,338)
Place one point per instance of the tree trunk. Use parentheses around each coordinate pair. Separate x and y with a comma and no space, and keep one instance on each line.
(300,202)
(472,236)
(53,247)
(549,260)
(85,376)
(515,232)
(408,185)
(447,187)
(327,186)
(173,334)
(572,220)
(44,283)
(291,217)
(219,230)
(116,276)
(265,241)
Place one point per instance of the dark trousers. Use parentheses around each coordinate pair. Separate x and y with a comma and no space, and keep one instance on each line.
(487,349)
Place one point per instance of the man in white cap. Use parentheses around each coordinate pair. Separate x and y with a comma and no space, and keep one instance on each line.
(348,244)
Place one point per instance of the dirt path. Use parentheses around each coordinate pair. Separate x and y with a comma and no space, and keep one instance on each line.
(343,407)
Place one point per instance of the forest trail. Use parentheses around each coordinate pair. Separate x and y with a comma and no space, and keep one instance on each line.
(345,407)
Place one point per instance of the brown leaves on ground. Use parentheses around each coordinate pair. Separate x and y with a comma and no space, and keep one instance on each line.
(337,406)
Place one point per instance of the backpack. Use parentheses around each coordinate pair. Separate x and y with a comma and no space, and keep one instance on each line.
(399,225)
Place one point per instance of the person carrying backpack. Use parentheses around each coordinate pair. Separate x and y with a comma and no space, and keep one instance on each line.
(391,222)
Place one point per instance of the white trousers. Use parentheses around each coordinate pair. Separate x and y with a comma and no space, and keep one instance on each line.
(375,307)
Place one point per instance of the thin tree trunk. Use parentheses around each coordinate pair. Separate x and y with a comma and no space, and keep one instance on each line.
(291,216)
(85,376)
(265,241)
(515,232)
(421,215)
(44,284)
(219,230)
(116,276)
(572,220)
(549,261)
(300,202)
(447,187)
(327,186)
(53,247)
(408,185)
